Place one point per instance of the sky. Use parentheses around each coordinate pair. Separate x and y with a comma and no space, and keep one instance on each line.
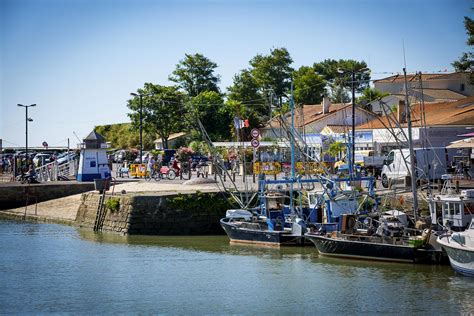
(78,60)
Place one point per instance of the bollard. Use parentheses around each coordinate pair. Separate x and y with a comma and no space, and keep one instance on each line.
(225,173)
(275,176)
(253,177)
(233,177)
(215,176)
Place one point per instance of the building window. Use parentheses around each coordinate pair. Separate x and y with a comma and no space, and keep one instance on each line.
(462,87)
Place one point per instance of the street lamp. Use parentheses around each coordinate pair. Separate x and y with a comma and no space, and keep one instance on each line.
(140,112)
(353,73)
(27,119)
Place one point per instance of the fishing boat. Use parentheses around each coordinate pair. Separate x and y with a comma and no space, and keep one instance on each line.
(460,249)
(243,226)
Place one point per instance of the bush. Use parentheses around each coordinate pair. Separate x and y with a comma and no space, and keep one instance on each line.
(113,204)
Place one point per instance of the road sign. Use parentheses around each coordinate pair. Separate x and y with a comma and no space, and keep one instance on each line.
(255,143)
(255,133)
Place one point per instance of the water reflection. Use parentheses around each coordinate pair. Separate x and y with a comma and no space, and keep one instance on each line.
(64,269)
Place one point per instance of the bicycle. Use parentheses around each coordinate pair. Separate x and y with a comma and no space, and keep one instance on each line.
(154,174)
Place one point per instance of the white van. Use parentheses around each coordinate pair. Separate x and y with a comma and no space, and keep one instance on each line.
(430,163)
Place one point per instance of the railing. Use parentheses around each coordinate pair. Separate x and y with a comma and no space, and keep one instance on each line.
(53,171)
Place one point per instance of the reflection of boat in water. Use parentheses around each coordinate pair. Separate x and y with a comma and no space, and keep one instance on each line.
(460,249)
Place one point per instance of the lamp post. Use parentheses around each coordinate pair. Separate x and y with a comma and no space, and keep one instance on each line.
(140,118)
(352,156)
(27,119)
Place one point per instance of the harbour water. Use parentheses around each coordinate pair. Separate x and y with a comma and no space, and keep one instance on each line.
(46,268)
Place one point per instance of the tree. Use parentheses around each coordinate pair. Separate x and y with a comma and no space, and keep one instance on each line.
(162,110)
(369,95)
(466,61)
(309,87)
(330,69)
(273,71)
(195,74)
(244,99)
(209,107)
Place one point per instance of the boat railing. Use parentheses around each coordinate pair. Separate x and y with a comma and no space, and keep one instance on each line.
(389,240)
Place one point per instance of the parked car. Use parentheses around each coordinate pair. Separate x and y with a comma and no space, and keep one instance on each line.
(65,157)
(41,159)
(430,163)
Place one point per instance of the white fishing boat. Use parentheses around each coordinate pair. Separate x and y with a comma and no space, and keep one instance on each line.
(460,249)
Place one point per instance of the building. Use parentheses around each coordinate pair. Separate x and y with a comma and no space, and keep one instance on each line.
(172,140)
(445,121)
(312,119)
(432,88)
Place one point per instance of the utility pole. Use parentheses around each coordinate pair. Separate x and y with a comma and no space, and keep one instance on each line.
(140,112)
(27,119)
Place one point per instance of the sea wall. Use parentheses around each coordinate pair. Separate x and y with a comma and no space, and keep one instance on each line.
(181,214)
(16,195)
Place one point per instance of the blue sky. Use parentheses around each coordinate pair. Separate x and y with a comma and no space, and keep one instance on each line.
(79,59)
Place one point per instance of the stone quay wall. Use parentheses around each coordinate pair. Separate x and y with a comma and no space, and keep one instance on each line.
(17,195)
(181,214)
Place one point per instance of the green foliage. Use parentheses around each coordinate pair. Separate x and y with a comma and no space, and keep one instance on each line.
(369,95)
(199,146)
(309,87)
(195,74)
(273,71)
(123,136)
(209,107)
(199,201)
(335,149)
(337,82)
(162,110)
(466,61)
(113,204)
(245,99)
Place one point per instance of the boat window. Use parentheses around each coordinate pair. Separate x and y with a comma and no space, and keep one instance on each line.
(446,208)
(457,208)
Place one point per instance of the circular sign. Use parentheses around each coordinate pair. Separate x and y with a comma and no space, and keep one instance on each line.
(255,143)
(45,144)
(255,133)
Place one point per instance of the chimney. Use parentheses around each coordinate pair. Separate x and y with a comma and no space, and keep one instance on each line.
(326,103)
(401,115)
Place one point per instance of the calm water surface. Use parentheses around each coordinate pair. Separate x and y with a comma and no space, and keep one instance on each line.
(52,268)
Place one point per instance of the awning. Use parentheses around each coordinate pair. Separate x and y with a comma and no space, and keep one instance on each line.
(463,143)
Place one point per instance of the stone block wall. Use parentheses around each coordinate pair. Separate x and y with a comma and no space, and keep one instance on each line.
(190,214)
(16,195)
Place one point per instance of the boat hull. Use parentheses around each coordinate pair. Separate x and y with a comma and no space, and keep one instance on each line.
(362,250)
(461,260)
(260,237)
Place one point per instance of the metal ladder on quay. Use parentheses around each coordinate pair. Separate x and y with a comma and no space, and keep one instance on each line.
(101,212)
(101,208)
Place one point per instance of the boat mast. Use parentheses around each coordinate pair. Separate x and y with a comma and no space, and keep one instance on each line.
(292,142)
(412,152)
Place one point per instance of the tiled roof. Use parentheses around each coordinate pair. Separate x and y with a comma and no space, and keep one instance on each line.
(308,114)
(424,77)
(436,114)
(441,94)
(338,129)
